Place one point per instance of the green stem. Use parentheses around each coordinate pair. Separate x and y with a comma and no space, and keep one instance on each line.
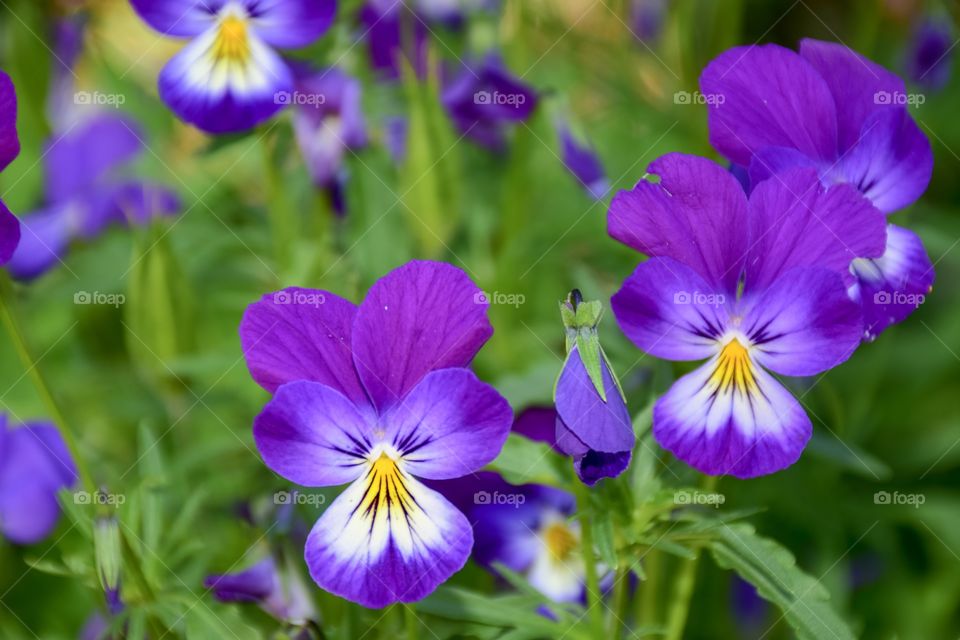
(622,580)
(39,382)
(685,582)
(282,222)
(648,605)
(589,559)
(413,625)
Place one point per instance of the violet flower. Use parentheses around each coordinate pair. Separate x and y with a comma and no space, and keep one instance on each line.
(748,286)
(646,18)
(584,163)
(377,396)
(593,424)
(229,77)
(483,99)
(281,593)
(328,122)
(34,466)
(930,54)
(832,110)
(9,149)
(395,35)
(84,193)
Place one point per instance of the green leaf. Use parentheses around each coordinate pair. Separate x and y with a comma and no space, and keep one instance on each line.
(773,570)
(523,461)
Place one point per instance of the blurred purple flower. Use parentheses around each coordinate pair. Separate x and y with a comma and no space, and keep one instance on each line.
(930,54)
(483,98)
(9,149)
(34,466)
(375,397)
(395,133)
(747,285)
(328,122)
(281,593)
(750,611)
(229,77)
(395,34)
(646,18)
(832,110)
(584,163)
(84,192)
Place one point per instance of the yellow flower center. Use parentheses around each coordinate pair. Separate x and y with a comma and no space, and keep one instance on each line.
(232,41)
(385,488)
(734,370)
(560,540)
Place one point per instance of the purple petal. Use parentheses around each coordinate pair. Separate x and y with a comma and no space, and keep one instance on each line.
(254,584)
(770,97)
(795,221)
(359,552)
(312,435)
(395,36)
(804,324)
(891,287)
(44,238)
(79,160)
(695,214)
(136,203)
(301,334)
(9,233)
(770,161)
(9,142)
(891,163)
(449,425)
(537,424)
(743,433)
(419,317)
(930,56)
(584,163)
(224,95)
(34,466)
(585,422)
(179,18)
(291,23)
(854,83)
(669,311)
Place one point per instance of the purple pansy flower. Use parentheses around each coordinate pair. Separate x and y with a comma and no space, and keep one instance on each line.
(34,466)
(395,35)
(583,162)
(482,99)
(281,593)
(930,54)
(646,18)
(593,425)
(84,193)
(527,528)
(377,396)
(832,110)
(9,149)
(229,76)
(328,122)
(748,286)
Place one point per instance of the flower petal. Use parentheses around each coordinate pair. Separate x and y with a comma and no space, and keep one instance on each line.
(253,584)
(796,221)
(178,18)
(9,142)
(225,92)
(695,214)
(449,425)
(387,538)
(804,324)
(669,311)
(892,161)
(301,334)
(537,424)
(771,161)
(291,23)
(891,287)
(726,429)
(419,317)
(311,434)
(771,97)
(9,233)
(44,237)
(854,83)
